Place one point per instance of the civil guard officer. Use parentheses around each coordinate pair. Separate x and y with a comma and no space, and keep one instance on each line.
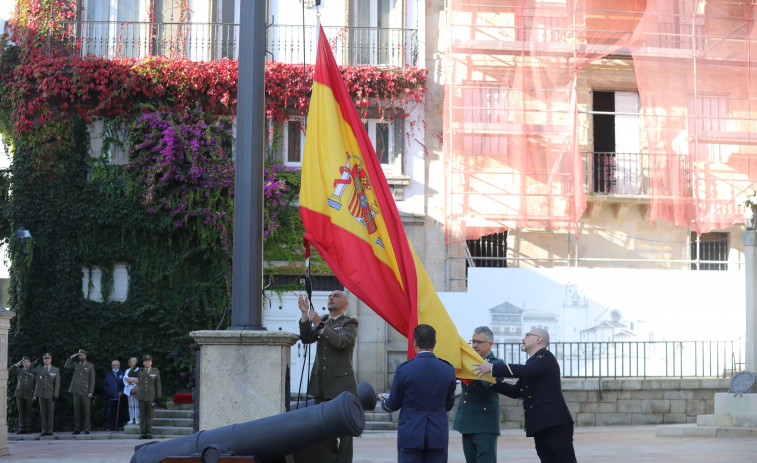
(24,393)
(148,393)
(82,389)
(46,390)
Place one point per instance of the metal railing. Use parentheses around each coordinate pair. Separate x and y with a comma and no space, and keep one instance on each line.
(352,45)
(639,359)
(207,41)
(617,173)
(133,39)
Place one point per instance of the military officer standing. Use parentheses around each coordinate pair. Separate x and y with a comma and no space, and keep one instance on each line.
(148,392)
(332,372)
(24,393)
(82,387)
(46,390)
(477,416)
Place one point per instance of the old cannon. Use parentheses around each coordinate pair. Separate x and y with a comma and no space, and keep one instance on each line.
(267,439)
(365,394)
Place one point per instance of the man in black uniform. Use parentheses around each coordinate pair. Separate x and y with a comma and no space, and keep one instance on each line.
(332,371)
(548,419)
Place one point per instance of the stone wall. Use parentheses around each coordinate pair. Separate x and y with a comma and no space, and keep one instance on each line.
(628,401)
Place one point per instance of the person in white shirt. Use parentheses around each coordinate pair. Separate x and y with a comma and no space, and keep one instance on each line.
(130,390)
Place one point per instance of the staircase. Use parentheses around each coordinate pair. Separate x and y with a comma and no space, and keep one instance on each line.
(379,420)
(174,421)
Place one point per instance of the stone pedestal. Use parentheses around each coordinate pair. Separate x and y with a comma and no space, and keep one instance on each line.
(242,375)
(733,411)
(5,324)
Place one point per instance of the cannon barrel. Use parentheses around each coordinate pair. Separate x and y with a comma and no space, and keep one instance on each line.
(365,394)
(268,438)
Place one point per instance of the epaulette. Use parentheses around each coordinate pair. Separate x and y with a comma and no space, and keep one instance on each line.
(445,361)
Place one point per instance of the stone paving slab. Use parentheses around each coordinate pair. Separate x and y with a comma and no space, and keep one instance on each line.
(622,444)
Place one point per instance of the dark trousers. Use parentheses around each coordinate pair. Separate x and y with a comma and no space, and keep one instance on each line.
(146,413)
(555,444)
(480,447)
(46,414)
(115,411)
(81,412)
(24,414)
(421,455)
(333,450)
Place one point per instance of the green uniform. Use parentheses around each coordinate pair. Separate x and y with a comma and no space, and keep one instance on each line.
(148,391)
(332,371)
(477,419)
(46,391)
(82,384)
(24,393)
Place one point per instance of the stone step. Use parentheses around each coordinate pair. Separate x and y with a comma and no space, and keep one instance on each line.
(161,430)
(380,426)
(162,413)
(727,421)
(692,430)
(174,406)
(178,422)
(378,416)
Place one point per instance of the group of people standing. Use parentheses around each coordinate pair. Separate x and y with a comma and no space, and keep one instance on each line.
(423,389)
(140,386)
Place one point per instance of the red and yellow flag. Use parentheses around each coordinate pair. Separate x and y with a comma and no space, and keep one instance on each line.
(351,218)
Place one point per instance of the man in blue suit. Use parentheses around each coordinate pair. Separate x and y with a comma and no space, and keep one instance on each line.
(547,417)
(424,388)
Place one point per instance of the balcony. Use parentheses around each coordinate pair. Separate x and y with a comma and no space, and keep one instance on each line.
(616,173)
(209,41)
(352,45)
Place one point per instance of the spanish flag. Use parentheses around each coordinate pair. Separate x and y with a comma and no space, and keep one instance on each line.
(351,218)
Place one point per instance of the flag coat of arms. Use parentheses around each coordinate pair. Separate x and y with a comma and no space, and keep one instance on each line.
(351,219)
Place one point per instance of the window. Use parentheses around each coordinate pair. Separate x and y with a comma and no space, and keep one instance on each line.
(112,28)
(91,284)
(385,138)
(487,251)
(294,142)
(371,39)
(709,247)
(617,162)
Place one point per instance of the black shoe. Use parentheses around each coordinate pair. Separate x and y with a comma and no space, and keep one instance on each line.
(149,436)
(86,432)
(48,434)
(142,436)
(75,433)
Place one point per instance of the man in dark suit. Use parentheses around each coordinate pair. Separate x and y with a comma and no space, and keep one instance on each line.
(548,419)
(424,388)
(332,372)
(477,415)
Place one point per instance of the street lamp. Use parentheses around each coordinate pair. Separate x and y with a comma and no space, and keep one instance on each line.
(23,234)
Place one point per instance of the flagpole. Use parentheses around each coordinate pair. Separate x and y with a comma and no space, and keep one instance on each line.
(247,271)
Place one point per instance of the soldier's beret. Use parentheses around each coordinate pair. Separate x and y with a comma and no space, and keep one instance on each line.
(147,357)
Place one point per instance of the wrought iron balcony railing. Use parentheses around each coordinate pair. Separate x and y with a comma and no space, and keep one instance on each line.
(616,173)
(352,45)
(208,41)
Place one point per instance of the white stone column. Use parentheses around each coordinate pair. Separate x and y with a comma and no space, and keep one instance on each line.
(243,375)
(5,324)
(749,239)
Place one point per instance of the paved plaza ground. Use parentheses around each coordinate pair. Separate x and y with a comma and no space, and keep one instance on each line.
(617,444)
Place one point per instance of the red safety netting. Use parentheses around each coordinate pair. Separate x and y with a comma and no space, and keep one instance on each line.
(511,115)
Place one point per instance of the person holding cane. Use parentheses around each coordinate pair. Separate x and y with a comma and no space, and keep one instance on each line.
(113,385)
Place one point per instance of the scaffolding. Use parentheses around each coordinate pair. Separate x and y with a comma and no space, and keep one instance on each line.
(513,154)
